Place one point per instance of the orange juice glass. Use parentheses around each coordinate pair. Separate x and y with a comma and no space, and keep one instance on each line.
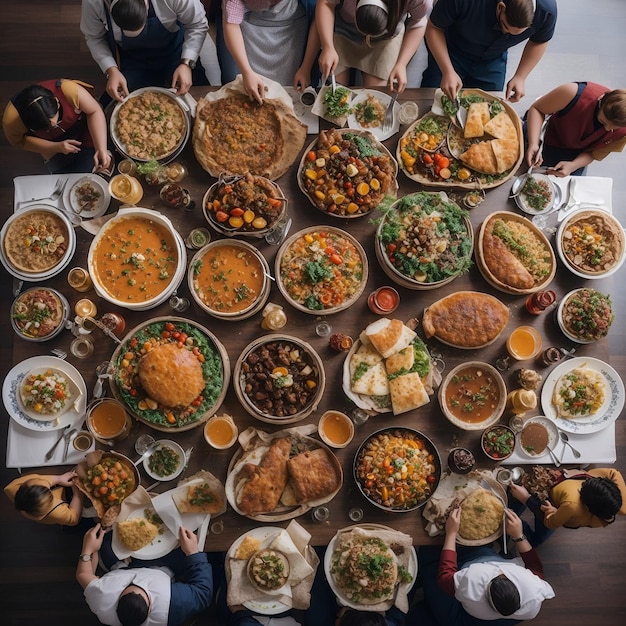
(221,432)
(126,189)
(524,343)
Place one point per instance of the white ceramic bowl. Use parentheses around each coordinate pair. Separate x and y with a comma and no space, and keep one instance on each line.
(180,465)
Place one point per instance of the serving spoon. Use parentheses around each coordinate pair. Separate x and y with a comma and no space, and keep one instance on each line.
(565,440)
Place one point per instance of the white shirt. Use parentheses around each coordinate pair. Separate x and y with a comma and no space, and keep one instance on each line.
(103,594)
(471,584)
(189,12)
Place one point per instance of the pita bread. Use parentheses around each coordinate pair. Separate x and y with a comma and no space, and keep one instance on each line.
(372,382)
(501,127)
(203,497)
(480,157)
(402,360)
(477,117)
(136,533)
(299,569)
(389,336)
(506,152)
(367,353)
(407,393)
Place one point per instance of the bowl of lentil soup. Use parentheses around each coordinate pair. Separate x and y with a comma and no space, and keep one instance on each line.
(397,469)
(321,270)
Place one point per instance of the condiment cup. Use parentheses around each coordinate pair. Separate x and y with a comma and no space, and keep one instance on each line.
(335,429)
(83,441)
(221,432)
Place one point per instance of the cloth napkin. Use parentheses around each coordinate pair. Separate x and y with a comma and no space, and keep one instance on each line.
(584,192)
(304,113)
(292,541)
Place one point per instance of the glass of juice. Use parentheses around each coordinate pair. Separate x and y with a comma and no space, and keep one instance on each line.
(524,343)
(126,189)
(221,432)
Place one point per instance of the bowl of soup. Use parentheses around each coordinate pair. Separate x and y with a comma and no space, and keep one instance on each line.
(108,420)
(229,279)
(335,429)
(137,260)
(473,395)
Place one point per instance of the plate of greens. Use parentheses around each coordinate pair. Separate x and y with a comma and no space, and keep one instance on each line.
(334,106)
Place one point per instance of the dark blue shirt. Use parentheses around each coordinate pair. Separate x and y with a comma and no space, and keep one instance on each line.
(192,594)
(472,27)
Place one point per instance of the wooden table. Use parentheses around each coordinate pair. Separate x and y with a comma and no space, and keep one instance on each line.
(236,335)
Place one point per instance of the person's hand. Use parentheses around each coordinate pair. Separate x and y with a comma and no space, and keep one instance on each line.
(450,85)
(69,146)
(66,479)
(188,541)
(397,78)
(328,61)
(548,508)
(515,89)
(562,169)
(513,523)
(519,493)
(534,156)
(301,80)
(254,86)
(92,541)
(453,522)
(116,85)
(103,161)
(181,80)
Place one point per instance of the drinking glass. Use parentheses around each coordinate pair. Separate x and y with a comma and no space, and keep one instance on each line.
(179,304)
(143,443)
(323,329)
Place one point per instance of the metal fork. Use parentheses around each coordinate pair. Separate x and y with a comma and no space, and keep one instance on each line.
(61,354)
(388,121)
(58,190)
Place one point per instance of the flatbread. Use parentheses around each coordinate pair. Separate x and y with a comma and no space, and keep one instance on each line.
(504,265)
(477,117)
(481,515)
(501,127)
(407,393)
(136,533)
(402,360)
(372,382)
(480,157)
(506,152)
(204,497)
(389,336)
(313,475)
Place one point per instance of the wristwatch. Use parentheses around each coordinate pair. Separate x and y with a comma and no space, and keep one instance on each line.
(85,557)
(522,538)
(188,62)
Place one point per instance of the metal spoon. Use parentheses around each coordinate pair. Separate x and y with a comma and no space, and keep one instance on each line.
(565,440)
(555,459)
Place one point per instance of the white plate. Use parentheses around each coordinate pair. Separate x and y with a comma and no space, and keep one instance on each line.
(101,206)
(166,443)
(608,412)
(11,387)
(267,605)
(384,99)
(554,202)
(412,568)
(158,547)
(553,435)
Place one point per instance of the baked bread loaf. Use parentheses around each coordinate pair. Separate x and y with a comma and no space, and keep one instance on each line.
(171,375)
(313,475)
(503,264)
(466,319)
(136,533)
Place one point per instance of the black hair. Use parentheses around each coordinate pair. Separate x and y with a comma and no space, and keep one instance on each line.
(376,23)
(602,497)
(130,14)
(132,609)
(504,595)
(361,618)
(36,106)
(32,498)
(519,13)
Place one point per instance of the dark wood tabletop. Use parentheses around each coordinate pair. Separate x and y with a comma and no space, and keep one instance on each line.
(236,335)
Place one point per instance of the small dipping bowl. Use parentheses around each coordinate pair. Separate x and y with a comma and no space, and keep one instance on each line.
(175,196)
(384,300)
(335,429)
(83,441)
(221,432)
(461,461)
(108,421)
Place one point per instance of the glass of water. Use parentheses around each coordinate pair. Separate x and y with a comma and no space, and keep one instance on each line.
(179,304)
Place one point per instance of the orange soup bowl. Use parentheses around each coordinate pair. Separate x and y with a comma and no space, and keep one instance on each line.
(335,429)
(221,432)
(108,420)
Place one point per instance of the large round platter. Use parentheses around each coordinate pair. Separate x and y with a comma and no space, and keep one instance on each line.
(554,200)
(151,112)
(269,605)
(538,264)
(59,250)
(26,313)
(242,458)
(246,205)
(446,252)
(215,371)
(389,442)
(412,566)
(339,264)
(11,390)
(93,187)
(592,230)
(594,305)
(304,367)
(429,136)
(376,103)
(124,274)
(553,436)
(326,179)
(229,279)
(608,412)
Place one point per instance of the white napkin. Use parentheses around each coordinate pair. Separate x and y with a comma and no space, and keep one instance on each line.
(27,448)
(29,187)
(590,190)
(171,516)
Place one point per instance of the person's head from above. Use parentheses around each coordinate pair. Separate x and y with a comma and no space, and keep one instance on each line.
(33,498)
(515,16)
(39,108)
(378,19)
(602,497)
(130,15)
(612,109)
(351,617)
(503,595)
(133,606)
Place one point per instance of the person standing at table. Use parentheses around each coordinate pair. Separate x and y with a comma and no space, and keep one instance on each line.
(40,498)
(377,37)
(266,38)
(145,43)
(586,122)
(478,585)
(60,120)
(468,40)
